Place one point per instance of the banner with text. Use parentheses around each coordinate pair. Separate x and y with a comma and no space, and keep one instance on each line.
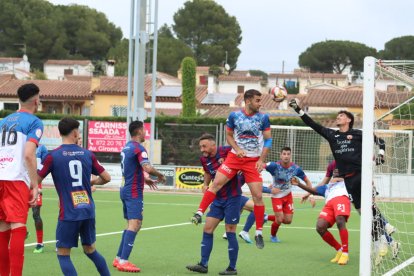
(189,178)
(109,136)
(51,137)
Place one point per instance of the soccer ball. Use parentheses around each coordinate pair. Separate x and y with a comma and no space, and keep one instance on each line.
(278,93)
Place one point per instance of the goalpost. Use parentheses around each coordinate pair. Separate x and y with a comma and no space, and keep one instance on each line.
(388,112)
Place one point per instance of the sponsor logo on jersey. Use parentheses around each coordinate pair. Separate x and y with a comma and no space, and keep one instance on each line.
(349,137)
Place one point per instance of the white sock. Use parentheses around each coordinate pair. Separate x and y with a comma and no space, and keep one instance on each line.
(258,232)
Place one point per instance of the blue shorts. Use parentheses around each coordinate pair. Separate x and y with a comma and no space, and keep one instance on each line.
(243,201)
(227,209)
(68,232)
(133,208)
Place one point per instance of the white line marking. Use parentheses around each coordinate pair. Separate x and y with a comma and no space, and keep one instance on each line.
(399,267)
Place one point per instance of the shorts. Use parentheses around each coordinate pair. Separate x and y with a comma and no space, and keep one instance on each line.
(247,165)
(337,206)
(283,204)
(14,201)
(133,208)
(68,232)
(353,186)
(227,209)
(40,196)
(243,201)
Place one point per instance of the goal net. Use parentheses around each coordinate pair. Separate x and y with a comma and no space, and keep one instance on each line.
(388,113)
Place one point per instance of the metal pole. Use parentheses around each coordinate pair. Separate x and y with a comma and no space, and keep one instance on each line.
(136,59)
(130,64)
(143,39)
(154,81)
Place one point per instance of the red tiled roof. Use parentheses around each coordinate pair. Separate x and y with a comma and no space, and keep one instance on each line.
(50,89)
(216,111)
(78,78)
(10,59)
(119,85)
(201,92)
(352,98)
(67,62)
(165,111)
(307,75)
(5,78)
(242,73)
(240,78)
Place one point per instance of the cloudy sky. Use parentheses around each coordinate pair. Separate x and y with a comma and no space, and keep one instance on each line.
(276,32)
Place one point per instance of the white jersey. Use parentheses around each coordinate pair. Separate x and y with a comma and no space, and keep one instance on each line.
(334,189)
(15,130)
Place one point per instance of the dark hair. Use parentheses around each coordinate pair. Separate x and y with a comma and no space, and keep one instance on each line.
(66,125)
(206,136)
(26,91)
(286,149)
(249,94)
(134,127)
(349,115)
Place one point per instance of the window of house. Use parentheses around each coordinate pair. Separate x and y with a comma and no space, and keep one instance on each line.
(203,80)
(119,111)
(11,106)
(240,88)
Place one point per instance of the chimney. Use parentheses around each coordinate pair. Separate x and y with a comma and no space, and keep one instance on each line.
(110,68)
(211,84)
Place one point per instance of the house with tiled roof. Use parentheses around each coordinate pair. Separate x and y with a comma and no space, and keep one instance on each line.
(19,67)
(62,97)
(57,69)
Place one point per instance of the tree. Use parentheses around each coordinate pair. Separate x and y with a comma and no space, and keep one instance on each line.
(399,48)
(119,53)
(335,55)
(188,67)
(171,51)
(209,31)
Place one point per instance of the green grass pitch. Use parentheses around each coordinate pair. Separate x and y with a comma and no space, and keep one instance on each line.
(167,241)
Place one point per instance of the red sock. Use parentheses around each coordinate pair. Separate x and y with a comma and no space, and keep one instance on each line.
(16,251)
(343,233)
(4,249)
(274,228)
(208,198)
(39,235)
(259,215)
(329,239)
(271,217)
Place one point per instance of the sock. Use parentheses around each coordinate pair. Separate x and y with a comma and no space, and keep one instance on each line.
(343,233)
(128,244)
(100,263)
(389,238)
(121,245)
(259,214)
(208,198)
(233,249)
(16,250)
(39,236)
(66,266)
(4,249)
(249,222)
(274,228)
(271,217)
(329,239)
(206,247)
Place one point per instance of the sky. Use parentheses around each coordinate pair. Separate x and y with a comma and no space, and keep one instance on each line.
(275,32)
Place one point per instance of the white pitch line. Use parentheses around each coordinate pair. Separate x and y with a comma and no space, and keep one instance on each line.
(399,267)
(120,232)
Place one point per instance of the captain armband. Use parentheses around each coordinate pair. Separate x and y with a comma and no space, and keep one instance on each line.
(268,143)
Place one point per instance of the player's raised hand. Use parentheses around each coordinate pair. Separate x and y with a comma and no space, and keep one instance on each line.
(293,103)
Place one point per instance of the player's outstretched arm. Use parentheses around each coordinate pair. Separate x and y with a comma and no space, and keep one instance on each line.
(152,171)
(310,190)
(102,179)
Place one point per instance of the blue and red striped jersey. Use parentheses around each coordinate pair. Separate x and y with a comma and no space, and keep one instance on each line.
(210,166)
(71,167)
(133,157)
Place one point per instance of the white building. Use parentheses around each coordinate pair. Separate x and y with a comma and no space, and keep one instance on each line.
(57,69)
(19,67)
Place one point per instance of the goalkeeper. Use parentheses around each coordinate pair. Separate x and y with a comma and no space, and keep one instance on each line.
(346,147)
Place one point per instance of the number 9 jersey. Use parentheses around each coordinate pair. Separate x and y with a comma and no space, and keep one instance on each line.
(15,130)
(71,167)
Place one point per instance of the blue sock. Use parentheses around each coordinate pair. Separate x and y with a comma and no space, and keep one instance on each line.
(128,244)
(249,222)
(121,245)
(233,249)
(66,266)
(206,247)
(389,239)
(100,263)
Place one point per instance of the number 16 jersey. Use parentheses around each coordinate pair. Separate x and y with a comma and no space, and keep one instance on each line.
(71,167)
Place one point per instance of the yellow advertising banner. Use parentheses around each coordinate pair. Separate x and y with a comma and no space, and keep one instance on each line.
(189,178)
